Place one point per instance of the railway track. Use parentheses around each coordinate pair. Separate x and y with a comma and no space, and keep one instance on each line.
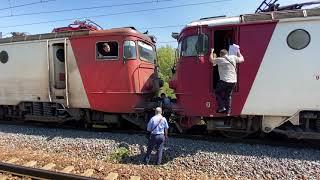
(192,153)
(9,170)
(43,173)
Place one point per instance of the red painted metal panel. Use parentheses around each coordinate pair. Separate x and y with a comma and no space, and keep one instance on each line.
(254,40)
(111,85)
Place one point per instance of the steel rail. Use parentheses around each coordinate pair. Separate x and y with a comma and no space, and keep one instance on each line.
(38,173)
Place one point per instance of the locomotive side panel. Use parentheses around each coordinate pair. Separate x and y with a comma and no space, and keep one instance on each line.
(24,77)
(77,94)
(288,79)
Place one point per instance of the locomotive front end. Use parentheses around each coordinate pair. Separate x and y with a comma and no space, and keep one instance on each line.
(118,68)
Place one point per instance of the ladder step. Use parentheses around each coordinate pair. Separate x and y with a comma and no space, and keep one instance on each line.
(223,127)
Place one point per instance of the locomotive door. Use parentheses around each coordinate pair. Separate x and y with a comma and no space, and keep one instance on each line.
(222,38)
(58,79)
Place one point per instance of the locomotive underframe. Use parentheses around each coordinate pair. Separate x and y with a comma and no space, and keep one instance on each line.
(52,112)
(302,125)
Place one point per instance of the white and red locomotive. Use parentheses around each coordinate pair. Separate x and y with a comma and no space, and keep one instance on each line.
(278,84)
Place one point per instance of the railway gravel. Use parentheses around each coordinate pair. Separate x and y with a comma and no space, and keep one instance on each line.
(197,158)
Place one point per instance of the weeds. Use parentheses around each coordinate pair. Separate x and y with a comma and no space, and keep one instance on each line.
(119,154)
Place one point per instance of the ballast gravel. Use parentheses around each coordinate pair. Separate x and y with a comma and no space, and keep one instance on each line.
(199,157)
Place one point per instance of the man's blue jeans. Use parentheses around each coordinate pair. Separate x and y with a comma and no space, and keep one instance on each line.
(158,142)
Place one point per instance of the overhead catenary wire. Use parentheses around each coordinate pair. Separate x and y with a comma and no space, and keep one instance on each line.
(27,4)
(86,8)
(118,13)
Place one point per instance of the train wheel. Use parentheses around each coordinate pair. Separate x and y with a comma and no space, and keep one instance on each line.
(235,134)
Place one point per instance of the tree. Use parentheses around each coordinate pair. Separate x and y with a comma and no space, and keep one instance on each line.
(166,57)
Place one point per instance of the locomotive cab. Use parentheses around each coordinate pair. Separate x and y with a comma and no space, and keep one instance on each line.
(123,69)
(193,54)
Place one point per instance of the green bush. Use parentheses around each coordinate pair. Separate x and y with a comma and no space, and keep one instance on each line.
(119,154)
(166,57)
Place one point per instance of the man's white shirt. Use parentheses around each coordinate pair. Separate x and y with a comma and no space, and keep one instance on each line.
(227,71)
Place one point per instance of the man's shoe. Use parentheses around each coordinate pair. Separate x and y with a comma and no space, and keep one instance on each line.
(228,112)
(223,110)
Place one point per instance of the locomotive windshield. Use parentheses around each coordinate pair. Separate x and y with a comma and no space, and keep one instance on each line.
(129,50)
(147,52)
(190,46)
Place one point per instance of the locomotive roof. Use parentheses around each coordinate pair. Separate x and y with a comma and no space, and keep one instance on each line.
(258,17)
(114,31)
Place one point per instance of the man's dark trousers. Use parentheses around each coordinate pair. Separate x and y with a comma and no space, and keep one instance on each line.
(224,94)
(158,142)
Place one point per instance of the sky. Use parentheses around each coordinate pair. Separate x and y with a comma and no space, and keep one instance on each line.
(142,14)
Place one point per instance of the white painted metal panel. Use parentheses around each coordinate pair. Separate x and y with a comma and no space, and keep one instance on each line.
(25,76)
(77,94)
(287,79)
(216,21)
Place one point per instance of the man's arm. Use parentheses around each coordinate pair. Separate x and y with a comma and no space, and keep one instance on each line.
(149,126)
(166,127)
(240,58)
(166,133)
(213,57)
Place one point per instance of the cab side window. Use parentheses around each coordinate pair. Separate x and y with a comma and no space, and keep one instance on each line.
(147,52)
(129,50)
(108,50)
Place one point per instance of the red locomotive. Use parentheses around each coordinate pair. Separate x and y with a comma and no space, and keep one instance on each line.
(77,73)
